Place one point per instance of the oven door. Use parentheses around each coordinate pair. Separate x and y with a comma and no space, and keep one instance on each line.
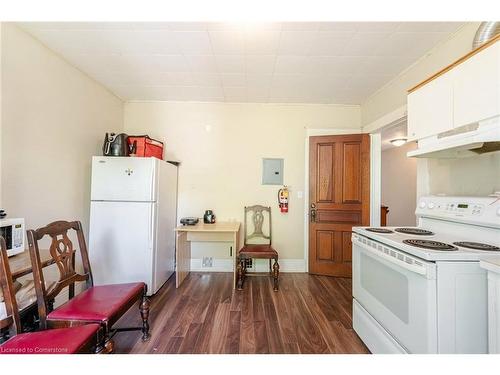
(398,291)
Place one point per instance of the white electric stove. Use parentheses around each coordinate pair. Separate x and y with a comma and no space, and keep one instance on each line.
(420,289)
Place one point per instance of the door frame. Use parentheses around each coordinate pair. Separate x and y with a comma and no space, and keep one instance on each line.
(375,180)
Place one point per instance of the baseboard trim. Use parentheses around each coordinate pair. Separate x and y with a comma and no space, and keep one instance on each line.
(260,265)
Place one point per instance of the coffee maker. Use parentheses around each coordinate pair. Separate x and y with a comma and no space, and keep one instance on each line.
(209,217)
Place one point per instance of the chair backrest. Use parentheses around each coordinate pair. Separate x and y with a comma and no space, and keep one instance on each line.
(12,321)
(255,225)
(63,253)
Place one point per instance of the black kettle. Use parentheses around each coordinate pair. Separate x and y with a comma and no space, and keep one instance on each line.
(117,145)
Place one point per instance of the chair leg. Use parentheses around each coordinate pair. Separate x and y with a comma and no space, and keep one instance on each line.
(276,274)
(241,274)
(144,309)
(109,346)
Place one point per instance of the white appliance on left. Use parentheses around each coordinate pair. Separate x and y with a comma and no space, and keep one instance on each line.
(12,230)
(133,214)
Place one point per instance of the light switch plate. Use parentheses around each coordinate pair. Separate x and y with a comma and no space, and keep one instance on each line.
(272,171)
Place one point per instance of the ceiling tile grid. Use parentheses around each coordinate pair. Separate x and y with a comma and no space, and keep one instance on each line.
(290,62)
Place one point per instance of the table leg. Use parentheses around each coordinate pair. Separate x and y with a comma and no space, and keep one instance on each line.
(236,249)
(182,258)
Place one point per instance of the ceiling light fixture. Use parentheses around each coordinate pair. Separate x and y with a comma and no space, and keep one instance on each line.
(398,142)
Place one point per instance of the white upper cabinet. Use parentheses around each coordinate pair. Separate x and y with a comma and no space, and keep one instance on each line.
(467,93)
(476,87)
(430,108)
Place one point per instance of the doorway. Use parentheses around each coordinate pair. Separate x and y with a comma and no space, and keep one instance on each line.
(398,176)
(339,198)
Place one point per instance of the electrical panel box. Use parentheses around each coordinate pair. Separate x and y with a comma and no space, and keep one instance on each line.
(272,171)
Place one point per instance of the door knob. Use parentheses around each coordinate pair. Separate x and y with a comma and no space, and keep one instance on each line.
(313,212)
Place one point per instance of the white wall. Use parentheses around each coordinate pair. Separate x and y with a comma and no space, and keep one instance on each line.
(399,185)
(221,146)
(476,176)
(54,119)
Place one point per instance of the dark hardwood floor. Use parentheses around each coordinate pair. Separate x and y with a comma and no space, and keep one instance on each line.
(309,314)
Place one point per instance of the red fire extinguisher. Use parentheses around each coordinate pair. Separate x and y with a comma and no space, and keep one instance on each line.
(283,196)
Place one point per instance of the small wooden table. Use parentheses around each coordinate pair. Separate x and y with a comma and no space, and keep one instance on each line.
(218,232)
(20,264)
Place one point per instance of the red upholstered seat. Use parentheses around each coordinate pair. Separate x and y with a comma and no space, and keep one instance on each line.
(99,303)
(52,341)
(260,251)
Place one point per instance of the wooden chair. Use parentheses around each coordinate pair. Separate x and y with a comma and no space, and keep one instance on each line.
(104,304)
(83,339)
(257,245)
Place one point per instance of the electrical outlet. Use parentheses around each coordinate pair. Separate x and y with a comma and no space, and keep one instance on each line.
(248,263)
(207,262)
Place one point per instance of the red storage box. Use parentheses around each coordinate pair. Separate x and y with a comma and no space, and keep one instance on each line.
(145,146)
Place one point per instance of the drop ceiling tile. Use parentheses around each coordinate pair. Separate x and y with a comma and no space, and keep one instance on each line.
(296,42)
(290,64)
(258,42)
(377,26)
(162,63)
(338,26)
(228,42)
(188,26)
(233,80)
(76,40)
(150,25)
(385,64)
(238,93)
(141,42)
(330,43)
(300,26)
(260,64)
(335,65)
(258,80)
(179,79)
(202,63)
(429,26)
(206,79)
(258,95)
(365,44)
(289,80)
(408,44)
(371,82)
(230,63)
(193,42)
(334,62)
(211,93)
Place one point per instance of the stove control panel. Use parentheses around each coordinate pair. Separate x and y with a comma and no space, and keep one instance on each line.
(474,210)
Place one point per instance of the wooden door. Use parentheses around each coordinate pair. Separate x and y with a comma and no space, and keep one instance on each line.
(339,197)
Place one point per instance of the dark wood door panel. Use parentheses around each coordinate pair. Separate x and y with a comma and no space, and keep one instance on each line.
(351,167)
(325,178)
(325,245)
(338,217)
(339,178)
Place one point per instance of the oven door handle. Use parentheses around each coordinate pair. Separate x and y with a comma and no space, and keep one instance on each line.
(422,270)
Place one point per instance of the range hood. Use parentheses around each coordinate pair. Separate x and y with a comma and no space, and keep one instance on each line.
(468,140)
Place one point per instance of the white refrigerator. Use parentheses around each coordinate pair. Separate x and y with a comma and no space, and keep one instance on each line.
(133,213)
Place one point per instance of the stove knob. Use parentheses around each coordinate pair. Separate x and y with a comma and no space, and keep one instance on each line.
(431,205)
(422,204)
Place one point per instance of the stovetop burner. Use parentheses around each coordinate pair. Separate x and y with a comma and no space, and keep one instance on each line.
(476,246)
(431,245)
(379,230)
(414,231)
